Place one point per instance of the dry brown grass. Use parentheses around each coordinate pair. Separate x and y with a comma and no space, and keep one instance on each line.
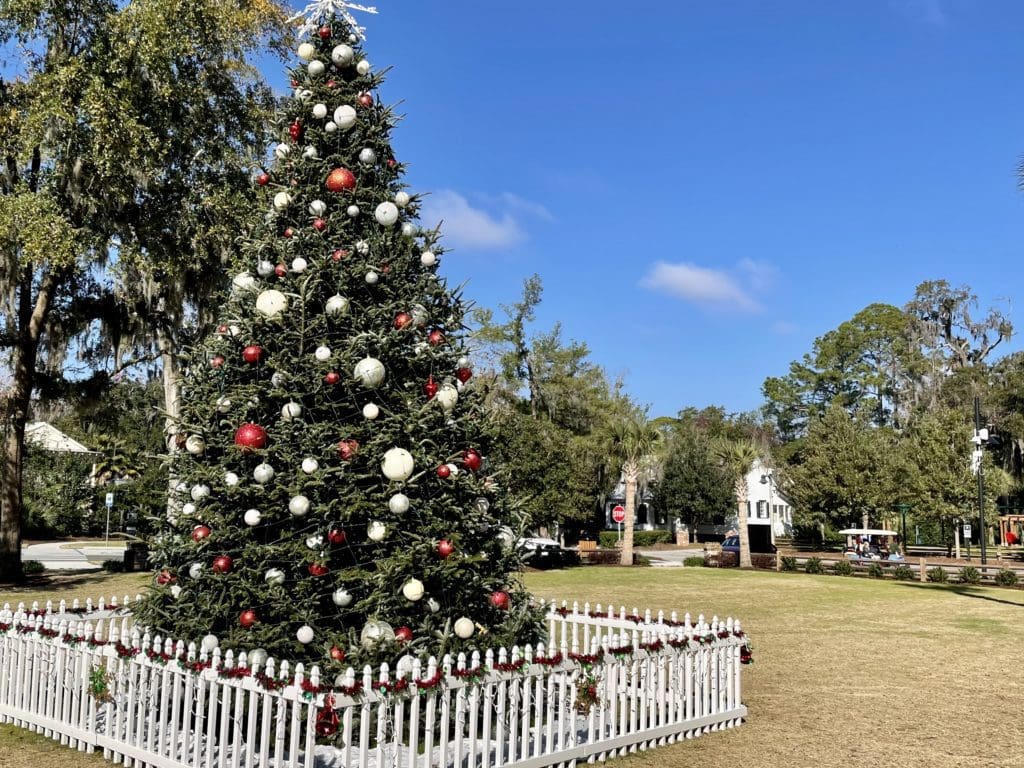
(847,672)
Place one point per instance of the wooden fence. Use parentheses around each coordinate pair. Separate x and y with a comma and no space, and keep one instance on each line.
(608,683)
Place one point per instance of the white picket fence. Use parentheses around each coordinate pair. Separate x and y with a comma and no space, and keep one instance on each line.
(608,683)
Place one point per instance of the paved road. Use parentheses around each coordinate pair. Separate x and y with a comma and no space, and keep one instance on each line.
(69,556)
(669,558)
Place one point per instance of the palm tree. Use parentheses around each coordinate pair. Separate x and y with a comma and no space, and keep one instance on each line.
(632,439)
(737,457)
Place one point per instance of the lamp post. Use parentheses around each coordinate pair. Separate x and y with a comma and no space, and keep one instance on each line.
(766,479)
(903,508)
(979,440)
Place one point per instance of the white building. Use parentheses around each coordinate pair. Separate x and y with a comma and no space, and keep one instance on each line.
(769,512)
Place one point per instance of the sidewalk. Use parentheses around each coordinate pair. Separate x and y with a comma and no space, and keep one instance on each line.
(71,555)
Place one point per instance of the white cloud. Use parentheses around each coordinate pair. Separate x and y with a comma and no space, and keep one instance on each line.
(466,226)
(702,285)
(760,274)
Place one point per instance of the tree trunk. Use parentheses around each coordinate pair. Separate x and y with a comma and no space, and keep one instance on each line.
(172,407)
(744,532)
(630,474)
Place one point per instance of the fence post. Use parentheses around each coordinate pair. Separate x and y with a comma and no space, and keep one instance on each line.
(923,570)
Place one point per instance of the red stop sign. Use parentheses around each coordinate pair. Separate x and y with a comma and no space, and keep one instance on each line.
(618,513)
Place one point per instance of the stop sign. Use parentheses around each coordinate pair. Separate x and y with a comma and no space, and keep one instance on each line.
(618,513)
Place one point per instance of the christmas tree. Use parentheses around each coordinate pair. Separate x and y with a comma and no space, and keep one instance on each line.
(334,503)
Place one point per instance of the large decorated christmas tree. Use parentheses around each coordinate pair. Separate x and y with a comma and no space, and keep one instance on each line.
(334,502)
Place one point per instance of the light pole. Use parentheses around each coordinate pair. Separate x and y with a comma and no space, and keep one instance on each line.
(979,440)
(766,479)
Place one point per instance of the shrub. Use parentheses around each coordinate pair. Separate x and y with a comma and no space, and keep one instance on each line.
(32,567)
(728,560)
(968,575)
(875,571)
(1006,578)
(602,557)
(609,539)
(113,566)
(693,562)
(937,575)
(813,565)
(903,573)
(788,563)
(843,568)
(763,560)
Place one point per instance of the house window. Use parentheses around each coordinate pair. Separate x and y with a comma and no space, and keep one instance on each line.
(762,510)
(641,514)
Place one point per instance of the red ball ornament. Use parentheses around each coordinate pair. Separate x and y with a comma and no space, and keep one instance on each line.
(347,449)
(337,654)
(217,361)
(295,83)
(280,270)
(222,564)
(500,600)
(403,635)
(403,320)
(445,548)
(250,437)
(252,353)
(288,232)
(435,337)
(430,388)
(247,618)
(463,374)
(331,84)
(444,471)
(332,377)
(471,460)
(165,577)
(336,536)
(365,99)
(295,131)
(341,180)
(339,254)
(324,32)
(263,179)
(222,329)
(392,162)
(319,224)
(318,569)
(201,532)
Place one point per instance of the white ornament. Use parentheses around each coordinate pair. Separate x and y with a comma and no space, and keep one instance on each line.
(314,542)
(322,353)
(453,469)
(282,200)
(420,347)
(447,396)
(363,67)
(256,658)
(175,591)
(243,281)
(271,304)
(195,570)
(337,305)
(345,117)
(464,628)
(299,265)
(428,259)
(433,605)
(304,634)
(310,465)
(419,315)
(413,590)
(371,411)
(188,509)
(330,126)
(367,156)
(274,577)
(369,372)
(342,55)
(263,473)
(209,643)
(402,199)
(375,632)
(200,492)
(234,330)
(408,229)
(362,247)
(376,531)
(277,379)
(306,51)
(230,479)
(315,68)
(304,95)
(252,517)
(265,268)
(397,464)
(352,211)
(290,411)
(353,38)
(319,111)
(372,278)
(341,597)
(317,208)
(181,487)
(463,362)
(399,503)
(281,151)
(298,506)
(386,214)
(309,152)
(195,445)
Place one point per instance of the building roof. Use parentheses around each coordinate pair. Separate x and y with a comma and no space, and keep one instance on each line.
(49,438)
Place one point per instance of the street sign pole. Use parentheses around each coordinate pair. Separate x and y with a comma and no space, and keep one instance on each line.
(618,516)
(110,505)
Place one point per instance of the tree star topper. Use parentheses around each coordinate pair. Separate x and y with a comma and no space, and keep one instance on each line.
(314,14)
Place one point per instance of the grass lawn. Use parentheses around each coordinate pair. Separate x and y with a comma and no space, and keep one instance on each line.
(847,672)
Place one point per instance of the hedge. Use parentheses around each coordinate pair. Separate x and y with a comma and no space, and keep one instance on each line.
(608,539)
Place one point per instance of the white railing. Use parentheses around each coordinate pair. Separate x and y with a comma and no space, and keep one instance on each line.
(609,683)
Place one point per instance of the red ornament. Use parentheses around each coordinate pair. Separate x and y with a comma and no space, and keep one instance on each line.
(288,232)
(331,84)
(247,618)
(403,320)
(339,254)
(252,353)
(403,635)
(295,83)
(319,224)
(337,654)
(392,162)
(222,564)
(463,374)
(200,532)
(263,179)
(444,471)
(217,361)
(500,600)
(295,131)
(327,718)
(250,437)
(318,569)
(430,388)
(325,32)
(471,460)
(222,329)
(165,577)
(435,337)
(347,449)
(336,536)
(332,377)
(280,270)
(365,99)
(341,180)
(445,548)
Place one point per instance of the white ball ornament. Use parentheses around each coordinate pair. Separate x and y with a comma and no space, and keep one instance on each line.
(274,577)
(243,281)
(310,152)
(210,643)
(419,315)
(263,473)
(317,208)
(463,362)
(305,634)
(376,531)
(363,67)
(402,199)
(453,469)
(195,570)
(386,214)
(428,259)
(447,397)
(433,605)
(304,94)
(291,411)
(342,55)
(399,504)
(252,517)
(188,509)
(310,465)
(319,111)
(408,229)
(397,464)
(345,117)
(367,156)
(298,506)
(195,445)
(265,269)
(314,542)
(375,632)
(278,379)
(371,411)
(181,487)
(322,353)
(369,372)
(341,597)
(230,479)
(200,492)
(330,126)
(464,628)
(175,591)
(412,590)
(362,247)
(271,304)
(282,200)
(336,306)
(315,68)
(352,38)
(372,278)
(306,51)
(281,151)
(299,265)
(352,211)
(234,330)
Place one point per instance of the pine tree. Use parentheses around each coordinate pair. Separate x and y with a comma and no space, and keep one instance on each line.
(335,501)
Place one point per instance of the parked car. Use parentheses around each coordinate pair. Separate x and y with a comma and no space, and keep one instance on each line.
(538,552)
(732,544)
